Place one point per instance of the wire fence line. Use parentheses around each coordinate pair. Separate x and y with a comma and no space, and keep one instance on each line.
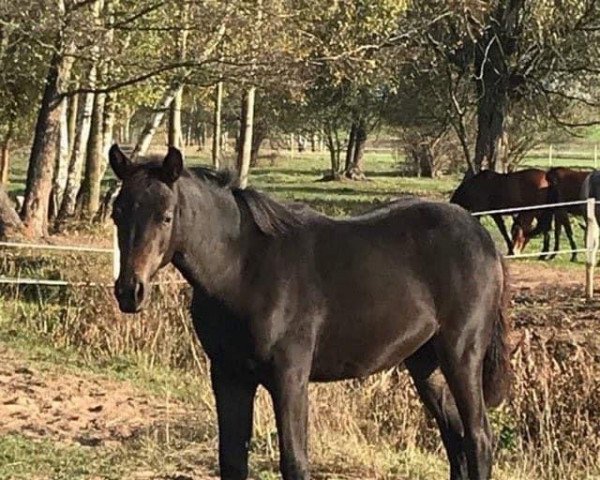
(591,248)
(504,211)
(49,246)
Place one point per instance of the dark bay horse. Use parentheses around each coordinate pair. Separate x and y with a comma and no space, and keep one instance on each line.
(591,189)
(565,185)
(488,190)
(284,296)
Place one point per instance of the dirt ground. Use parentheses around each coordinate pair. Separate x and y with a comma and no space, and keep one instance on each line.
(88,410)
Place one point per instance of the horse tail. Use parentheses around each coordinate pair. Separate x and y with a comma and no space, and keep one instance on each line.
(497,370)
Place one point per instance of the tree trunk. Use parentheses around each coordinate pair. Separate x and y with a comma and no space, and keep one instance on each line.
(62,160)
(334,147)
(78,151)
(246,137)
(354,171)
(313,142)
(174,135)
(156,118)
(493,52)
(127,127)
(225,142)
(351,147)
(203,136)
(10,223)
(40,172)
(259,134)
(216,151)
(90,188)
(108,128)
(5,155)
(491,110)
(72,121)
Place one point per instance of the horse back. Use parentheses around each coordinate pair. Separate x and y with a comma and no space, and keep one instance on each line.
(567,182)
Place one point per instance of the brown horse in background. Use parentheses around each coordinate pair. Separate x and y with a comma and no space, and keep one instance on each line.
(564,186)
(489,190)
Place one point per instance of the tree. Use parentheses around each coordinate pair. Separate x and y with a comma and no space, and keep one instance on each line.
(516,55)
(21,79)
(44,149)
(89,193)
(216,137)
(247,123)
(10,223)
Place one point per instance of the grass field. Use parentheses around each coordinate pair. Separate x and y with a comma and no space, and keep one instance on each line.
(60,346)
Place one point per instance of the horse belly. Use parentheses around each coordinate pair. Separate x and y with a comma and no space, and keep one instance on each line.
(366,346)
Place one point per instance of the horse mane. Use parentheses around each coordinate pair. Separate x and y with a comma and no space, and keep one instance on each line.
(271,217)
(221,178)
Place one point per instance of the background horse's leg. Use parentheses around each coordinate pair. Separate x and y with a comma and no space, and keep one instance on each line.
(235,401)
(502,227)
(435,394)
(558,223)
(463,372)
(289,390)
(569,232)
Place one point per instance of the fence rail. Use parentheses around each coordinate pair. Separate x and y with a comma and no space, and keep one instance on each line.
(503,211)
(47,246)
(591,248)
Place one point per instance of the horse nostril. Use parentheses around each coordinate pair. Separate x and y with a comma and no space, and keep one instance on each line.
(139,293)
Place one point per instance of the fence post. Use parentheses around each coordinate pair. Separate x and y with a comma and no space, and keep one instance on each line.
(591,245)
(116,254)
(596,157)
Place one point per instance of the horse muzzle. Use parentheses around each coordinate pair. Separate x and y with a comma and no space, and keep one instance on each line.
(131,293)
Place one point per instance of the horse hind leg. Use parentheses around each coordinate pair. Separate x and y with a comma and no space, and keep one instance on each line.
(435,395)
(557,229)
(461,361)
(569,232)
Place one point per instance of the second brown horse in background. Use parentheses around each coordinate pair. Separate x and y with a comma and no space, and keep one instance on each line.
(489,190)
(564,186)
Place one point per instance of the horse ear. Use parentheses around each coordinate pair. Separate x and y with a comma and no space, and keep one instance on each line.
(172,165)
(119,162)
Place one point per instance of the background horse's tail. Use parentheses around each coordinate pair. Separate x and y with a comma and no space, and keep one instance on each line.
(497,371)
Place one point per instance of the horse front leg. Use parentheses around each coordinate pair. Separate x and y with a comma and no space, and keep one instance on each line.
(557,230)
(569,232)
(235,400)
(502,227)
(289,390)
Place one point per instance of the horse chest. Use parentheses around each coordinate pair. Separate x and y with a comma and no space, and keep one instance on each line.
(224,337)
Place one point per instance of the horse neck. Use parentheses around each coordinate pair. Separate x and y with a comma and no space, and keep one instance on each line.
(211,240)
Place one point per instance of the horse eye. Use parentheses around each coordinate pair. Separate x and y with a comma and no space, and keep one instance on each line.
(168,218)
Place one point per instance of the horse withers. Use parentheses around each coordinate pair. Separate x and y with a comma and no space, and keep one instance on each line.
(284,296)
